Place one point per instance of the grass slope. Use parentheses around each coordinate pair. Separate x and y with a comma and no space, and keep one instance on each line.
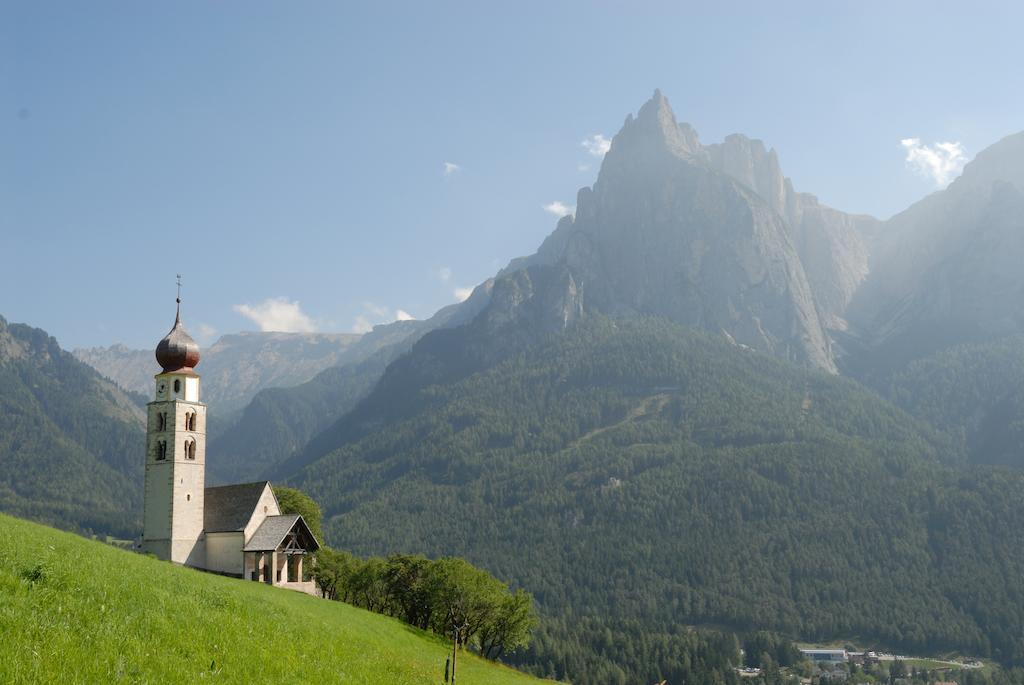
(77,611)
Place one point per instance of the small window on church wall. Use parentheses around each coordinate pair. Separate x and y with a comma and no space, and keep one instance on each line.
(190,421)
(161,421)
(161,450)
(190,449)
(177,385)
(188,498)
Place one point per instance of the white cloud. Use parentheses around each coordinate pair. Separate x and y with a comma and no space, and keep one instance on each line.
(558,208)
(362,325)
(277,314)
(445,274)
(597,145)
(450,168)
(376,314)
(376,309)
(582,167)
(941,162)
(205,331)
(462,294)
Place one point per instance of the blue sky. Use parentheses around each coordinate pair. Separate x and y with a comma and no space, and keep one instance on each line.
(276,153)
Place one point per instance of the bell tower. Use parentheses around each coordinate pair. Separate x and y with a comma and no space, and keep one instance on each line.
(175,453)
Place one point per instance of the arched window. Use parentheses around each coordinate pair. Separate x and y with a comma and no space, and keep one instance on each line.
(177,385)
(161,421)
(190,421)
(161,450)
(190,449)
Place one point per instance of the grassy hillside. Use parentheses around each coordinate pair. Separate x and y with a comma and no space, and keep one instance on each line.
(77,611)
(640,474)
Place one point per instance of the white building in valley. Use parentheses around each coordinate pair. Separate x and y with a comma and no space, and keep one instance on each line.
(235,530)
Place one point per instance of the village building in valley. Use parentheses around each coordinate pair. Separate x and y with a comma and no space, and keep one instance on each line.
(235,530)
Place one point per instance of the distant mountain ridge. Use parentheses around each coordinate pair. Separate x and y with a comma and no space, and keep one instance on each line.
(236,366)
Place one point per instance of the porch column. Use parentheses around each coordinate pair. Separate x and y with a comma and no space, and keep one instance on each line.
(273,568)
(298,567)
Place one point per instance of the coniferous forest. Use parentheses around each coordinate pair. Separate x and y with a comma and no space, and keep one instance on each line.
(639,475)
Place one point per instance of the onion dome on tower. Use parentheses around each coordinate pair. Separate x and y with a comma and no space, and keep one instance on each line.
(177,351)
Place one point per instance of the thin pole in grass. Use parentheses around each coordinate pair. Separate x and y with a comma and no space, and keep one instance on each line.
(455,649)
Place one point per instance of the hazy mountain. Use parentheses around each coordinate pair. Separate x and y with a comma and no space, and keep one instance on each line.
(710,236)
(947,270)
(237,366)
(71,442)
(279,421)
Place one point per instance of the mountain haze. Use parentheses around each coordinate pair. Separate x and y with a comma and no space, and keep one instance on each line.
(713,237)
(236,366)
(947,269)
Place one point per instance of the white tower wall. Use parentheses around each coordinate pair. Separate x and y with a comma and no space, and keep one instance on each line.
(175,477)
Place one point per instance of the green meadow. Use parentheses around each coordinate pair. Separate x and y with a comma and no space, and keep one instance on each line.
(78,611)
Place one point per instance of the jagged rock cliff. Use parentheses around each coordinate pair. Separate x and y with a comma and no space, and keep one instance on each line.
(710,236)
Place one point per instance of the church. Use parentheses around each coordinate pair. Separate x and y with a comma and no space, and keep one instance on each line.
(234,530)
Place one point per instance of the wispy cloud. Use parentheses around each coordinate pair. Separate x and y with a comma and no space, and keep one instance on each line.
(450,168)
(558,208)
(277,314)
(362,325)
(375,314)
(445,274)
(462,294)
(205,332)
(597,145)
(941,162)
(376,310)
(582,167)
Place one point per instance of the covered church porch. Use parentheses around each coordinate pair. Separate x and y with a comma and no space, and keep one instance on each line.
(277,553)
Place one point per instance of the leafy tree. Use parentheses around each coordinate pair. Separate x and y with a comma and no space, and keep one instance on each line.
(294,501)
(509,626)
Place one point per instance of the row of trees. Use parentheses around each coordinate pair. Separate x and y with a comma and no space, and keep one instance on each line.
(448,596)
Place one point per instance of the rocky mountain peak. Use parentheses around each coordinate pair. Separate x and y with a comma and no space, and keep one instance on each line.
(655,130)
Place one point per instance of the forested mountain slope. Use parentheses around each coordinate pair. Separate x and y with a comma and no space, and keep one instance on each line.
(70,440)
(975,393)
(279,421)
(636,470)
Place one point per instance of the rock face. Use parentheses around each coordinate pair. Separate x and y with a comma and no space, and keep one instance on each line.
(948,269)
(710,236)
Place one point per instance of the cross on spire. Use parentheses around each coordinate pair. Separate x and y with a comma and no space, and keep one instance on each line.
(177,316)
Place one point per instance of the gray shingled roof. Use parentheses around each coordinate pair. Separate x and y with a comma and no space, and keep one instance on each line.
(273,530)
(229,507)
